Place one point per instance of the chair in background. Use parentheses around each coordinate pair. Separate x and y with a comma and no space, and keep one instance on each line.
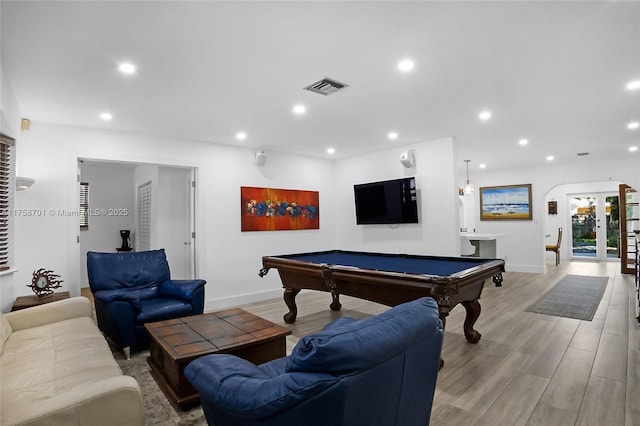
(381,370)
(134,288)
(556,247)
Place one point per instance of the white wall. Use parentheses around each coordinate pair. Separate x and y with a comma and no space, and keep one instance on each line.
(111,189)
(525,240)
(227,258)
(9,111)
(438,230)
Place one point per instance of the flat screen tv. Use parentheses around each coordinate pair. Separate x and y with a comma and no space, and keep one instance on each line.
(387,202)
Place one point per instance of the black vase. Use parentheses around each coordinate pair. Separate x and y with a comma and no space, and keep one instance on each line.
(125,233)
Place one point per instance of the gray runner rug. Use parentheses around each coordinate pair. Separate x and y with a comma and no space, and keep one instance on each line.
(574,296)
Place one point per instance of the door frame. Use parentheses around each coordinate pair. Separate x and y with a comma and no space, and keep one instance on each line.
(192,204)
(601,228)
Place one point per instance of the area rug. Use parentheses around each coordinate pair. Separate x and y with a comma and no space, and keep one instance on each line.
(575,296)
(158,409)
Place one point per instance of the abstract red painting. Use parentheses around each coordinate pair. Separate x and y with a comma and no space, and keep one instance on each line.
(270,209)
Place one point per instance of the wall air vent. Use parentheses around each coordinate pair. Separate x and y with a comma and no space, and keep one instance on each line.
(326,86)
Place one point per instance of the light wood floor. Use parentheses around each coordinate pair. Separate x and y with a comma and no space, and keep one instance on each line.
(528,369)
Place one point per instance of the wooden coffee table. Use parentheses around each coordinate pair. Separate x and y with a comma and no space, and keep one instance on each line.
(175,343)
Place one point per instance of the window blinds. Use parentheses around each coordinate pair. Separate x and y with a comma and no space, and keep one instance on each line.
(7,192)
(143,240)
(84,205)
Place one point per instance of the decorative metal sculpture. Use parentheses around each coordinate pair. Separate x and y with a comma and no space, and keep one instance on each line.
(44,281)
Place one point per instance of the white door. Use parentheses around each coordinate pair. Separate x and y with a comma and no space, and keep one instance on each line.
(175,219)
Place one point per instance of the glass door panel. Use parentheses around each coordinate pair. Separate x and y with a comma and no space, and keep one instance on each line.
(613,226)
(595,226)
(583,226)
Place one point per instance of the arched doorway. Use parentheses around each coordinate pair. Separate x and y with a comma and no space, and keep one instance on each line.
(588,213)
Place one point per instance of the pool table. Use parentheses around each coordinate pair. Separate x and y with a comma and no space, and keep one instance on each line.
(389,279)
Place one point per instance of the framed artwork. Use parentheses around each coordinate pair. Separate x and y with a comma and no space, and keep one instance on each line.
(509,202)
(552,207)
(270,209)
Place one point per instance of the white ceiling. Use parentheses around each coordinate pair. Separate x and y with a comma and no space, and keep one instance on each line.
(551,72)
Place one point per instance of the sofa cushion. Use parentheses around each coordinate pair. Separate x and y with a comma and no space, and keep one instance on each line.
(353,346)
(5,331)
(161,308)
(44,362)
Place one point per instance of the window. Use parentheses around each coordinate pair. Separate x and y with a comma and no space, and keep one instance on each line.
(7,191)
(84,205)
(143,241)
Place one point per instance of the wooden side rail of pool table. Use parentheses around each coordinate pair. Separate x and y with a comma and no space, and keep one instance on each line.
(387,288)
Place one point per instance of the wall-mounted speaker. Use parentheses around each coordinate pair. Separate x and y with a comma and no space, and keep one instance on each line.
(407,159)
(260,158)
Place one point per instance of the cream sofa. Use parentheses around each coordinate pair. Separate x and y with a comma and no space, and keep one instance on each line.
(56,368)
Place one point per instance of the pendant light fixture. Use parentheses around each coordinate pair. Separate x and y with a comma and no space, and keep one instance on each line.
(468,186)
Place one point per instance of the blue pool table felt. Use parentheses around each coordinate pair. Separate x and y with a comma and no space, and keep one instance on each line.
(443,267)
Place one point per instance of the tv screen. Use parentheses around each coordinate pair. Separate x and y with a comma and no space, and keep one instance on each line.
(387,202)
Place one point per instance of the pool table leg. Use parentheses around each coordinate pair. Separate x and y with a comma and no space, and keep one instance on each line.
(335,303)
(443,318)
(290,299)
(497,279)
(473,312)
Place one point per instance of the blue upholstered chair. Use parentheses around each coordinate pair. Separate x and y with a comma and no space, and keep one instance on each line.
(134,288)
(381,370)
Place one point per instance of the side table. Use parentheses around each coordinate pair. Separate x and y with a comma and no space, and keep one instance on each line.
(24,302)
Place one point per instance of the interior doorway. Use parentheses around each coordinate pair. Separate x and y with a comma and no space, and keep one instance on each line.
(113,187)
(595,226)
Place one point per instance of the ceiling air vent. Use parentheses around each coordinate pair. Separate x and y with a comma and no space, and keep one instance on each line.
(582,154)
(326,86)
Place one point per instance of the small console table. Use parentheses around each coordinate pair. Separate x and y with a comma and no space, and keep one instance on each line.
(487,245)
(24,302)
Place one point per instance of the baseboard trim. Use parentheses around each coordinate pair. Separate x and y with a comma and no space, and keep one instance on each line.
(242,299)
(525,268)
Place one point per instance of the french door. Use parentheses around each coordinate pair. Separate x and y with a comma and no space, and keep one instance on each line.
(595,226)
(629,228)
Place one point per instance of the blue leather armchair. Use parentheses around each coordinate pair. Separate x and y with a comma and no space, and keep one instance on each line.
(381,370)
(134,288)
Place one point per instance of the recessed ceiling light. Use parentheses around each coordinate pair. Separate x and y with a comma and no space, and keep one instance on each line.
(549,157)
(392,135)
(483,166)
(633,85)
(523,142)
(633,148)
(127,68)
(299,109)
(406,65)
(106,116)
(484,115)
(241,136)
(331,150)
(633,125)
